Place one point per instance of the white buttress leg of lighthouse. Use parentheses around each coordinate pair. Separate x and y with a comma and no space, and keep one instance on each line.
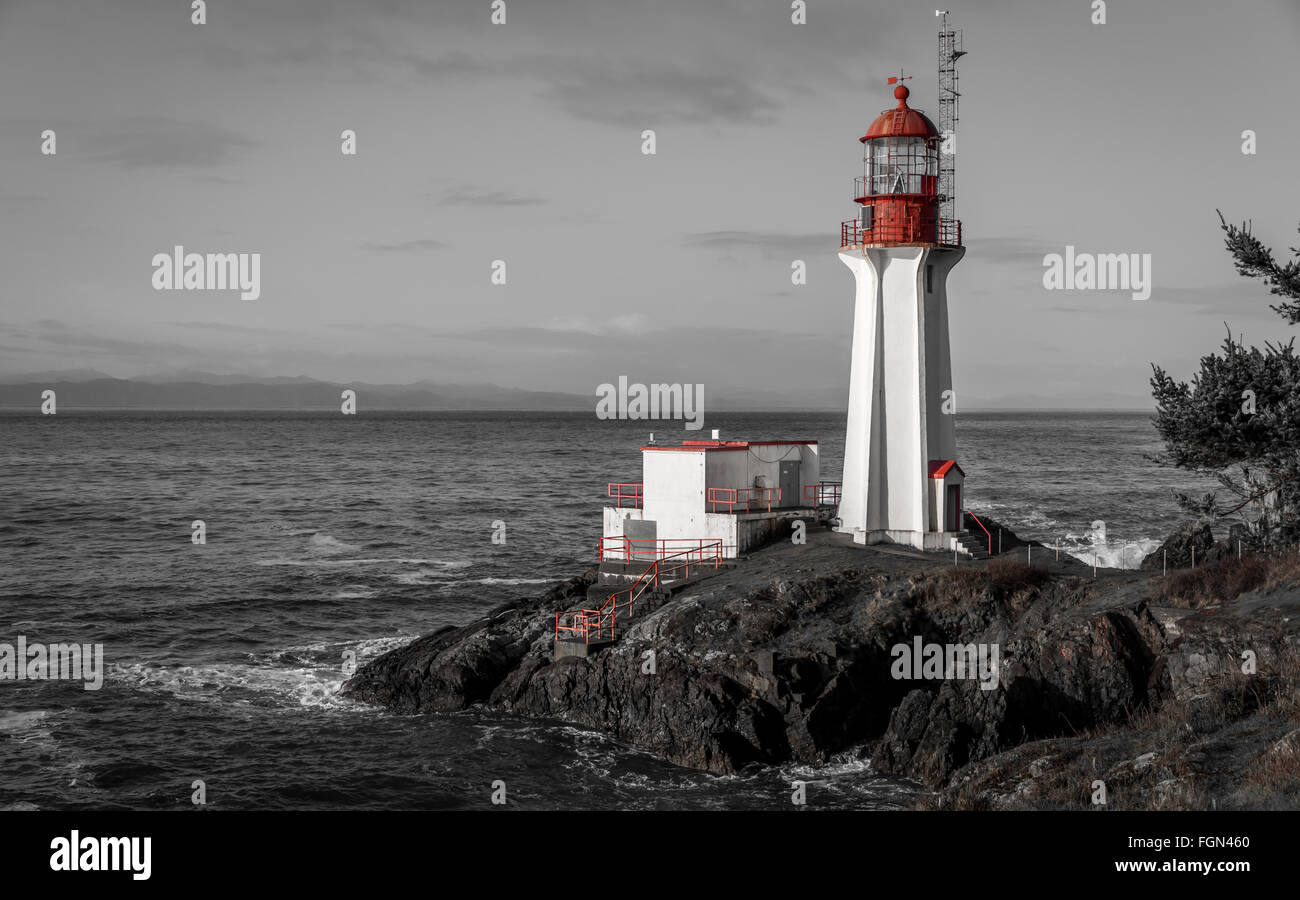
(900,371)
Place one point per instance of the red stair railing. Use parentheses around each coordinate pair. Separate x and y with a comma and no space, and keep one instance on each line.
(981,525)
(601,624)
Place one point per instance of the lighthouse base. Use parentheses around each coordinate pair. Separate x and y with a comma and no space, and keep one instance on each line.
(921,540)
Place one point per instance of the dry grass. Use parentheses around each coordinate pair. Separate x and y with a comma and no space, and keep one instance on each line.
(1000,580)
(1224,579)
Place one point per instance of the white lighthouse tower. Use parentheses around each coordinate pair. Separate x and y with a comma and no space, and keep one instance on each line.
(901,480)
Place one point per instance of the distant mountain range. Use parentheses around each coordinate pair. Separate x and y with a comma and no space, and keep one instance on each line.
(184,390)
(88,389)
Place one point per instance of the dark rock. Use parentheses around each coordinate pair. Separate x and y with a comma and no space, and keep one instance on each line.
(456,667)
(1180,546)
(789,657)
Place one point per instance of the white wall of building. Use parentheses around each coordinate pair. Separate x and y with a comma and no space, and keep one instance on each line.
(676,482)
(674,492)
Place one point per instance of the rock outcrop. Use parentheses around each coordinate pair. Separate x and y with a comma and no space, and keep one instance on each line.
(1189,544)
(791,657)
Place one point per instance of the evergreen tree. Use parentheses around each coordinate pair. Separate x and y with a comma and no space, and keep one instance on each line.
(1238,419)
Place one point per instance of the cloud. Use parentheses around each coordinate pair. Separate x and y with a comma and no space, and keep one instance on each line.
(404,246)
(770,245)
(454,65)
(646,95)
(156,141)
(1011,249)
(471,195)
(1230,301)
(223,327)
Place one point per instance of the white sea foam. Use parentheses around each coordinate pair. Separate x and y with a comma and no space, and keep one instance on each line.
(1031,523)
(516,580)
(422,576)
(356,592)
(312,680)
(327,546)
(1094,545)
(26,727)
(378,561)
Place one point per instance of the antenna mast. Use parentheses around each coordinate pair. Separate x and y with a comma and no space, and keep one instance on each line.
(949,52)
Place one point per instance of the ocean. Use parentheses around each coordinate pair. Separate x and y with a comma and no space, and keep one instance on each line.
(330,537)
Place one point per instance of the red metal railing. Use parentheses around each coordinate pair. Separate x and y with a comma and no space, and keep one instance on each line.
(731,497)
(823,493)
(981,525)
(601,624)
(699,550)
(619,491)
(906,231)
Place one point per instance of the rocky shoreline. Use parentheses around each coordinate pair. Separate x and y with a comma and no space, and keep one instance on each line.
(1127,679)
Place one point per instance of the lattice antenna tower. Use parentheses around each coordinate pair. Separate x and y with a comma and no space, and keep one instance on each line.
(949,52)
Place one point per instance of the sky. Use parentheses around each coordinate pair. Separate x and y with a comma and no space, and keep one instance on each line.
(523,142)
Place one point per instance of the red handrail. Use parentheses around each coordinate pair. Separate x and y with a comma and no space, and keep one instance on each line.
(635,492)
(589,621)
(981,525)
(733,496)
(817,493)
(632,549)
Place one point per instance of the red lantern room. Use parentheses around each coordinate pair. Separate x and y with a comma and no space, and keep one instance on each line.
(899,187)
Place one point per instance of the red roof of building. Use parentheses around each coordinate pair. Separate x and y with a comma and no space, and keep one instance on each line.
(939,468)
(902,121)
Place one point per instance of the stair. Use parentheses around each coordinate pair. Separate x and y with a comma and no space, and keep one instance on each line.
(645,604)
(976,546)
(648,599)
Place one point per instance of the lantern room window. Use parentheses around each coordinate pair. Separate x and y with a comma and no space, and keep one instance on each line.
(902,165)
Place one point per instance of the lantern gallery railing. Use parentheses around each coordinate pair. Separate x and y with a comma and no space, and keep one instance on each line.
(823,493)
(911,230)
(632,491)
(749,498)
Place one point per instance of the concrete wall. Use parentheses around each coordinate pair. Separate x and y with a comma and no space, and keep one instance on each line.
(900,370)
(726,469)
(614,517)
(674,492)
(752,533)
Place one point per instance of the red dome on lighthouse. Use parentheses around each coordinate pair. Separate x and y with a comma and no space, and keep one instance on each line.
(902,121)
(898,189)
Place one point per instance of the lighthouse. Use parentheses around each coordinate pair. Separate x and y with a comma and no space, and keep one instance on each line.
(902,482)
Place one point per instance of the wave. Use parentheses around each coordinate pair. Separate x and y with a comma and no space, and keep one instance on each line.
(1057,535)
(422,576)
(376,561)
(517,580)
(31,726)
(309,676)
(1093,546)
(357,592)
(327,546)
